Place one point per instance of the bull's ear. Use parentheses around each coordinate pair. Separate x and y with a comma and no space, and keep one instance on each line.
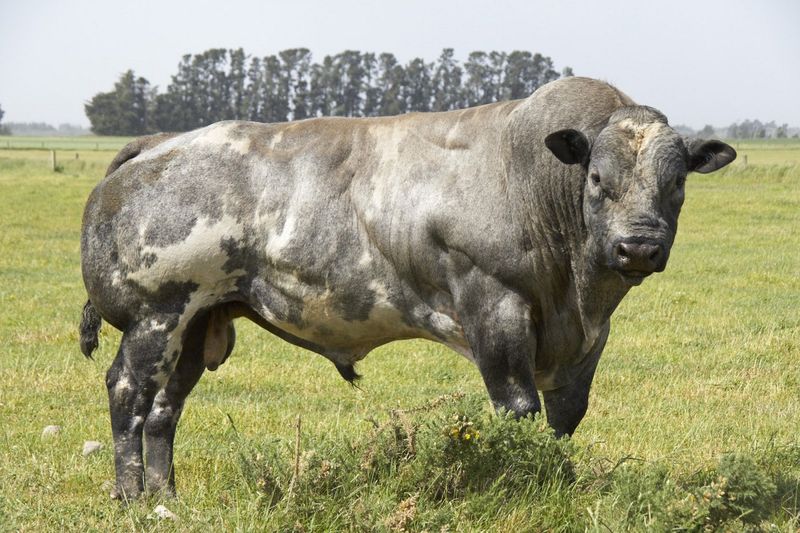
(569,146)
(708,156)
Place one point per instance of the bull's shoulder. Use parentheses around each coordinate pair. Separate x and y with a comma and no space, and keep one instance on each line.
(136,147)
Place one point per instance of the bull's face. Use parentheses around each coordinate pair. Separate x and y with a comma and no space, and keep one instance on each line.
(635,171)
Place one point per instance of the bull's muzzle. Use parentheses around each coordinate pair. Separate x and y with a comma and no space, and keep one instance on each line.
(635,259)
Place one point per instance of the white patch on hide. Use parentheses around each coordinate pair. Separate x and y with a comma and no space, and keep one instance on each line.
(122,386)
(276,242)
(220,135)
(641,134)
(199,258)
(276,139)
(365,259)
(136,422)
(155,325)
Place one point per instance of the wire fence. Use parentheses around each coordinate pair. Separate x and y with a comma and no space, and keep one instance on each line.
(63,143)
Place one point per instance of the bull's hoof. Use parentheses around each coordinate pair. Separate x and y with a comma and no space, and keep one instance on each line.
(125,496)
(167,493)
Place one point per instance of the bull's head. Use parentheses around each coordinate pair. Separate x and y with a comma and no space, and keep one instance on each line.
(635,168)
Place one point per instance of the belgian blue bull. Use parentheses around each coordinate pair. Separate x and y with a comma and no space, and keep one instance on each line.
(508,232)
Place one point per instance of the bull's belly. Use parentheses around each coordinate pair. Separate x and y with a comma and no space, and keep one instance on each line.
(347,322)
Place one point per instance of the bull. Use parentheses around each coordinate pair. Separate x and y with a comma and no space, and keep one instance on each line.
(508,232)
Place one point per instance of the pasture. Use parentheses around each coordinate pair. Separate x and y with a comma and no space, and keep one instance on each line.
(693,421)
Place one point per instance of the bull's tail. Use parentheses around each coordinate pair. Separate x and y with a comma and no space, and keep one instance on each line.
(90,326)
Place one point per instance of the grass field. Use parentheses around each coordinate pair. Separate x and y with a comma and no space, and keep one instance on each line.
(693,422)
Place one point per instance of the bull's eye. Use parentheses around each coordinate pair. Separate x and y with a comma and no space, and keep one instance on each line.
(595,177)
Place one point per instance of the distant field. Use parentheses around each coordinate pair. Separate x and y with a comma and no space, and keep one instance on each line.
(703,361)
(768,151)
(91,142)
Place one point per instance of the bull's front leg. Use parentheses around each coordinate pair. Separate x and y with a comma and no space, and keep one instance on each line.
(497,325)
(567,404)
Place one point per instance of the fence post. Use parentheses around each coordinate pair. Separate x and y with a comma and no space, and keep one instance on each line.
(744,159)
(53,160)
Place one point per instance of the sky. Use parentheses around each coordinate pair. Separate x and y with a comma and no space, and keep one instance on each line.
(699,62)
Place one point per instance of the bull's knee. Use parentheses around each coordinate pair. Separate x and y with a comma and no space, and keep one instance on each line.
(519,406)
(514,393)
(160,421)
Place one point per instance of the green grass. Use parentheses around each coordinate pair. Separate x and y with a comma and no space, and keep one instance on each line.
(693,419)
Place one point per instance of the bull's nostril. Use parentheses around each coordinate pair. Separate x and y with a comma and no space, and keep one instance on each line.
(638,256)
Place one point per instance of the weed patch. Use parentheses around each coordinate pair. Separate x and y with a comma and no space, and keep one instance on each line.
(446,452)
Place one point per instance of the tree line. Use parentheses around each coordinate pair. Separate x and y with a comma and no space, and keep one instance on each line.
(755,129)
(221,84)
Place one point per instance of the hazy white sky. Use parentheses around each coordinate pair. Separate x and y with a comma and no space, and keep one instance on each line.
(697,61)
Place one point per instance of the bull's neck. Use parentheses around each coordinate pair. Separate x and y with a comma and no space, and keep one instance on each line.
(565,275)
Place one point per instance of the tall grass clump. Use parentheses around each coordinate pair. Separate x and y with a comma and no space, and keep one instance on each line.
(422,465)
(738,493)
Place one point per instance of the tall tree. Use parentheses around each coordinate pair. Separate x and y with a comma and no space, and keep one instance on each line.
(391,80)
(417,87)
(252,102)
(296,64)
(320,90)
(477,88)
(446,83)
(372,93)
(519,74)
(274,91)
(237,85)
(544,71)
(179,107)
(350,72)
(496,89)
(123,111)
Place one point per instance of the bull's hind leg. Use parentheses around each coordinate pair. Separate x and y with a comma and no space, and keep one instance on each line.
(143,364)
(161,422)
(208,342)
